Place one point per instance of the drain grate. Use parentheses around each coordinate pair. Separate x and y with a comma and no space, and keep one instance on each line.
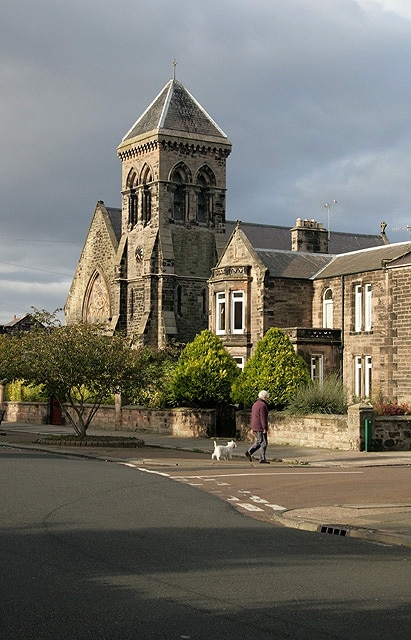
(337,531)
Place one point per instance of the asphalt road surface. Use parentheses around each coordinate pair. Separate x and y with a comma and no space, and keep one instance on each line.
(261,491)
(91,550)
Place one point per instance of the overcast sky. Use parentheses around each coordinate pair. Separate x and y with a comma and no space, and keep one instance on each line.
(314,96)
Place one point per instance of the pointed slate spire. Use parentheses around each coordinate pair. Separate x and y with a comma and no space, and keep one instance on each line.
(175,110)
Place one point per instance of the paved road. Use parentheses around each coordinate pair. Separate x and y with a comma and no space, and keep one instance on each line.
(92,549)
(275,488)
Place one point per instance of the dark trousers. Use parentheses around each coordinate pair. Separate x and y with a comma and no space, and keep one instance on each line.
(260,442)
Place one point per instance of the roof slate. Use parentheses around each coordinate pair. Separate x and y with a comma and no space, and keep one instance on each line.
(114,215)
(292,264)
(175,109)
(265,236)
(273,237)
(361,261)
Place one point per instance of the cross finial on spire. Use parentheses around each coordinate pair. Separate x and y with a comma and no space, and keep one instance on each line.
(174,68)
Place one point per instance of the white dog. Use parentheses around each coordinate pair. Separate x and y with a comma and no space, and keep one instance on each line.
(223,451)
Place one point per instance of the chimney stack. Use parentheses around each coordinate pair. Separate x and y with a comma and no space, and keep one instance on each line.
(309,236)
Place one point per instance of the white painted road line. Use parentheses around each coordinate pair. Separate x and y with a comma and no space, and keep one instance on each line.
(279,473)
(248,506)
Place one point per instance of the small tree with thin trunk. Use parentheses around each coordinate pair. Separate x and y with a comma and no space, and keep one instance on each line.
(78,364)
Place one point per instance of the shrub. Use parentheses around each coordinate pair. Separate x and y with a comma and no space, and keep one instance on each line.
(327,397)
(276,367)
(18,392)
(204,373)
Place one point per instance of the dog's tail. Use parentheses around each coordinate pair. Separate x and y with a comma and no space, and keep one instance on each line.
(215,445)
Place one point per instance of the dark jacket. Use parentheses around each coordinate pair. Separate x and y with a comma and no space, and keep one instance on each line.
(259,416)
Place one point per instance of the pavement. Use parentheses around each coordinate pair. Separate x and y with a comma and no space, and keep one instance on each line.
(385,523)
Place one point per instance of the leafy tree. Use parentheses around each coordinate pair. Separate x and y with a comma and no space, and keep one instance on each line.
(204,373)
(78,364)
(275,367)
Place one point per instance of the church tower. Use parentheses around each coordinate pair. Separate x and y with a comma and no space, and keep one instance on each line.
(172,217)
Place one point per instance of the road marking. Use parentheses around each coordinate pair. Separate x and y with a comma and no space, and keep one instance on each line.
(258,500)
(248,506)
(279,473)
(156,473)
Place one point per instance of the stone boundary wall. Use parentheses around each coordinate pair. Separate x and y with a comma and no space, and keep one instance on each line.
(319,430)
(26,412)
(344,432)
(392,433)
(198,423)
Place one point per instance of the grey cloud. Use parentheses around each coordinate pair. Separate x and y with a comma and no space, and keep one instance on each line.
(313,95)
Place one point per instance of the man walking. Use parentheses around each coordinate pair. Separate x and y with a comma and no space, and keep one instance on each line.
(259,426)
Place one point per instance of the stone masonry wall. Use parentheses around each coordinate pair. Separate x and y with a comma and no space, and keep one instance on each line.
(289,303)
(400,279)
(344,432)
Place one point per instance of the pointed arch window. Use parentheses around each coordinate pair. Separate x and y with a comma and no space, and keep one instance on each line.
(178,197)
(146,178)
(202,199)
(204,182)
(146,205)
(96,305)
(132,182)
(132,208)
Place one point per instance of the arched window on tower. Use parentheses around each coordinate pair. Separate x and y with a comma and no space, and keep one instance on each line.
(146,178)
(178,197)
(146,205)
(205,180)
(132,208)
(202,199)
(132,182)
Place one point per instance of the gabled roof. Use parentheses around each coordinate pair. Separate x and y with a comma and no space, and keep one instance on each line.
(292,264)
(25,323)
(361,261)
(175,109)
(265,236)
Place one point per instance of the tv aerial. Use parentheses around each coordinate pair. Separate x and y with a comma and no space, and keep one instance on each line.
(328,206)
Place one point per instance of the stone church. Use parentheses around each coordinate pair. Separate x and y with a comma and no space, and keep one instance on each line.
(144,268)
(168,264)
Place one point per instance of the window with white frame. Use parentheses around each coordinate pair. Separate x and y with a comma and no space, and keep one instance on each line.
(328,308)
(358,376)
(237,312)
(362,307)
(317,368)
(367,376)
(239,361)
(362,376)
(357,307)
(220,312)
(367,307)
